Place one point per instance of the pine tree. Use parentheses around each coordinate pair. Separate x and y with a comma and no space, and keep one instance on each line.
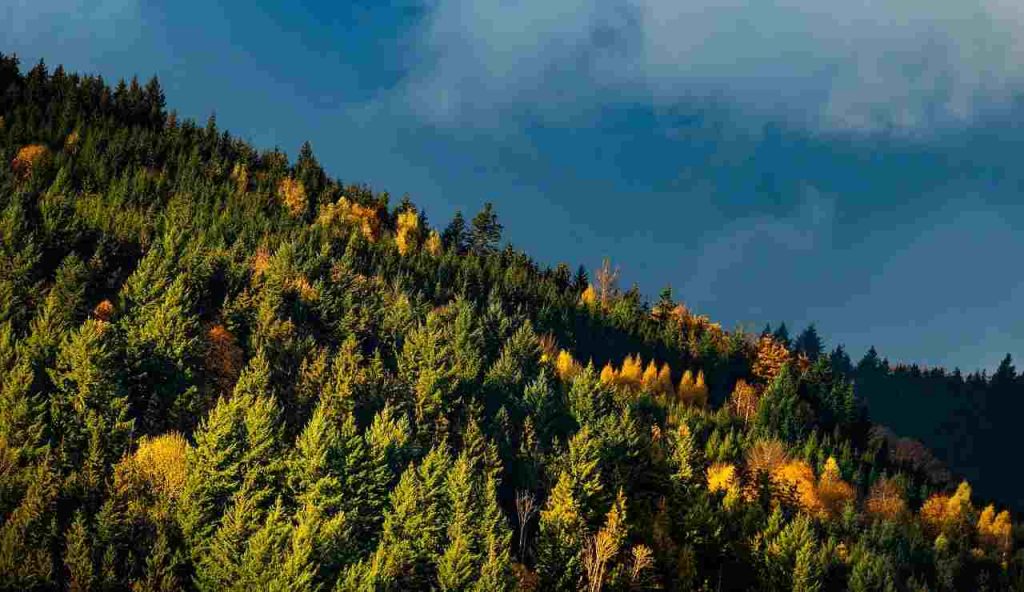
(486,232)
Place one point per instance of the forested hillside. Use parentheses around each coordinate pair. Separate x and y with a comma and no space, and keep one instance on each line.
(224,370)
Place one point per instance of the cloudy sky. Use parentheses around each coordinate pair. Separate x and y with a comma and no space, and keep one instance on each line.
(856,164)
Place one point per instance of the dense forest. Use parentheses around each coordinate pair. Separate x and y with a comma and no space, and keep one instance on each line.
(224,370)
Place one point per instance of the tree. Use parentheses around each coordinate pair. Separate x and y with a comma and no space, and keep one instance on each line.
(486,231)
(454,236)
(809,343)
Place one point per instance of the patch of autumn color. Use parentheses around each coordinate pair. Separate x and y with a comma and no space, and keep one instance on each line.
(104,311)
(346,212)
(224,358)
(941,512)
(766,456)
(157,468)
(260,262)
(608,375)
(885,500)
(71,142)
(240,175)
(650,376)
(28,158)
(407,231)
(589,296)
(771,357)
(602,547)
(566,366)
(631,373)
(434,244)
(722,477)
(693,391)
(744,400)
(995,531)
(665,380)
(799,476)
(306,292)
(293,195)
(833,492)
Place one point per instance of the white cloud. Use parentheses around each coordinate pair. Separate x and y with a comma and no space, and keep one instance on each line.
(827,64)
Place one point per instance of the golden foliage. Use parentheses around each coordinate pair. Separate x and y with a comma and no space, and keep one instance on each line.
(605,545)
(771,357)
(650,376)
(156,470)
(293,196)
(104,311)
(833,492)
(722,477)
(434,244)
(693,391)
(744,400)
(643,560)
(306,292)
(346,212)
(799,476)
(631,373)
(995,531)
(885,500)
(224,357)
(608,374)
(589,296)
(566,366)
(942,513)
(407,231)
(28,158)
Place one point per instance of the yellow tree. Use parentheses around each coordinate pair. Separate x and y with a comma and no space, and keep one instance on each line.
(293,196)
(833,492)
(743,400)
(631,373)
(770,358)
(407,231)
(693,391)
(995,531)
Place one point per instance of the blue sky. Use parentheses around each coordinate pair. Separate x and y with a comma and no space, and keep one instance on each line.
(853,164)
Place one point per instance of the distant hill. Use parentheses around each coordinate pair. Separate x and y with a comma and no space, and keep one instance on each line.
(223,369)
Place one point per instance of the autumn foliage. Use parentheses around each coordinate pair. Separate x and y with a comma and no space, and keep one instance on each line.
(28,158)
(224,357)
(293,195)
(770,358)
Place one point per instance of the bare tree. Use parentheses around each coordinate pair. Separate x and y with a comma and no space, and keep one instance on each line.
(526,507)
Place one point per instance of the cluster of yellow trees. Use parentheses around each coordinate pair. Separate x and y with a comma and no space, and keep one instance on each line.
(823,496)
(632,374)
(408,234)
(943,515)
(347,212)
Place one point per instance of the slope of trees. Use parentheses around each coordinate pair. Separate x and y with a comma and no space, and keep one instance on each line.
(224,370)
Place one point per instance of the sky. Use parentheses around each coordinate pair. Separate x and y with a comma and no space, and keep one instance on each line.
(855,164)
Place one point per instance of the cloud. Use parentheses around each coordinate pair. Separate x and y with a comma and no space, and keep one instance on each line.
(766,257)
(826,64)
(70,28)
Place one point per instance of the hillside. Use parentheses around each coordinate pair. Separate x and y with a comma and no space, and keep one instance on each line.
(226,370)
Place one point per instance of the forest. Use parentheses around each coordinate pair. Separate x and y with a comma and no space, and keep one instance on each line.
(223,369)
